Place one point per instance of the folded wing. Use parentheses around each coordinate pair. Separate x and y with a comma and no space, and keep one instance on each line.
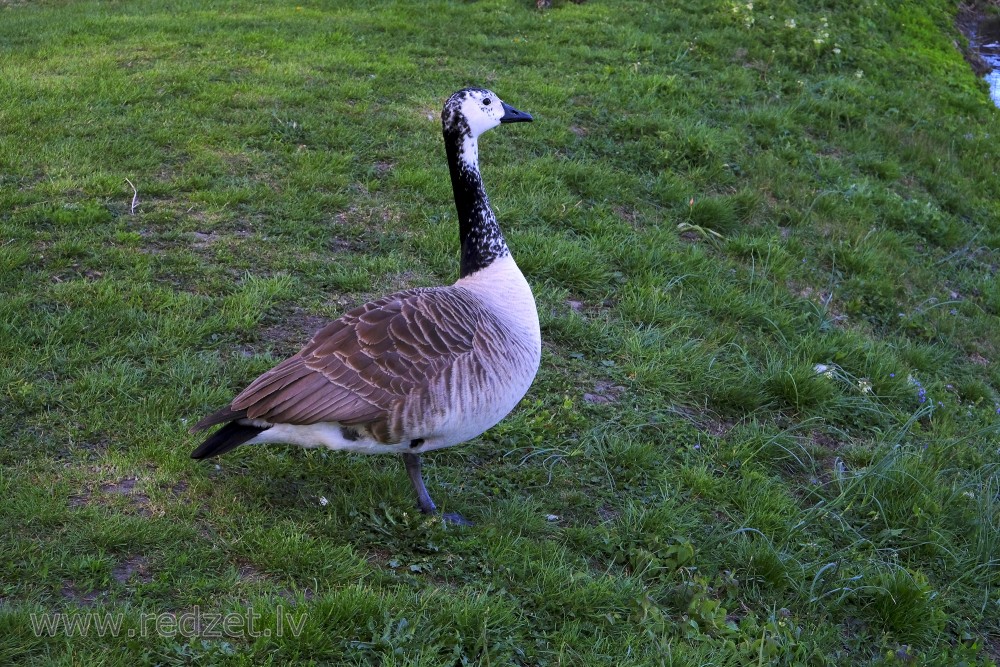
(360,368)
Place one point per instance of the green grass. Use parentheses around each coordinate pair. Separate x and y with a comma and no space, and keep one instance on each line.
(764,245)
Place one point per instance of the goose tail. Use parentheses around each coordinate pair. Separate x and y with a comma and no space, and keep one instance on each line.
(227,438)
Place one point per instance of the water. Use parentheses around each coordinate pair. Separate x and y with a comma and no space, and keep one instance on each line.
(985,40)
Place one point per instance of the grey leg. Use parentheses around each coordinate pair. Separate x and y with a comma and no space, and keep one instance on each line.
(424,502)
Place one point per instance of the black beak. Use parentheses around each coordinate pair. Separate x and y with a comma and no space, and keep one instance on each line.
(512,115)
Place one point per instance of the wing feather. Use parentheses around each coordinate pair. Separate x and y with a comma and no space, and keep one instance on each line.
(361,368)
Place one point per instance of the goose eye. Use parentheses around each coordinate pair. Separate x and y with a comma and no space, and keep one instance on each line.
(487,101)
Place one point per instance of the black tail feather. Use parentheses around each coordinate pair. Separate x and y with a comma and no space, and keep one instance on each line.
(226,414)
(227,438)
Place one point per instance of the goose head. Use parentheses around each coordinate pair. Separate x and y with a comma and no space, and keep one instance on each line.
(472,111)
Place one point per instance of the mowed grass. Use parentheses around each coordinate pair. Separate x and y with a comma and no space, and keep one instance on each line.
(764,241)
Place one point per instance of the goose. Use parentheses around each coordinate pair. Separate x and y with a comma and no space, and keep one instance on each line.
(418,370)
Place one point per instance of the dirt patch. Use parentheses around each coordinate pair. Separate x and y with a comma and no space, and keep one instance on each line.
(605,392)
(201,240)
(133,568)
(718,428)
(178,489)
(607,513)
(72,594)
(827,460)
(138,502)
(629,215)
(367,217)
(992,646)
(340,244)
(721,517)
(123,487)
(823,298)
(75,272)
(95,449)
(292,596)
(979,359)
(825,440)
(378,557)
(294,331)
(250,574)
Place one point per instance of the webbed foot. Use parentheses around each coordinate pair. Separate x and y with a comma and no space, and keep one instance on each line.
(455,519)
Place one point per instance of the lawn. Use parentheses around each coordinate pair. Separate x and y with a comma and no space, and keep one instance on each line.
(763,239)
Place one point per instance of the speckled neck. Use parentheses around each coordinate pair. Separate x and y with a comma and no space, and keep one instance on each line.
(481,239)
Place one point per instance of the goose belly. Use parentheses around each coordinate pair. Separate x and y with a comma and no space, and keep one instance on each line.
(331,435)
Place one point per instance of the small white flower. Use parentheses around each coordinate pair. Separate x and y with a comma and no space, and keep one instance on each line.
(865,385)
(789,23)
(323,501)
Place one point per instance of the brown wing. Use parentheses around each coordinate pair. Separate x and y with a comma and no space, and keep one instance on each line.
(359,369)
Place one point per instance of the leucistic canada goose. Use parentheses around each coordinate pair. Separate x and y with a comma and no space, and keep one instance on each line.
(414,371)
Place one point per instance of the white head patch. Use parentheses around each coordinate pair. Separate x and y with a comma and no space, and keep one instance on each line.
(472,111)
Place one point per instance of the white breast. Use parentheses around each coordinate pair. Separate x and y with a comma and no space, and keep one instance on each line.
(475,407)
(502,286)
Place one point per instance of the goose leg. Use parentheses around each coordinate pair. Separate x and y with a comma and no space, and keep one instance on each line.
(424,502)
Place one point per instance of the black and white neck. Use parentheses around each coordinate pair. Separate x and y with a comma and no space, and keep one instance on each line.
(481,239)
(466,115)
